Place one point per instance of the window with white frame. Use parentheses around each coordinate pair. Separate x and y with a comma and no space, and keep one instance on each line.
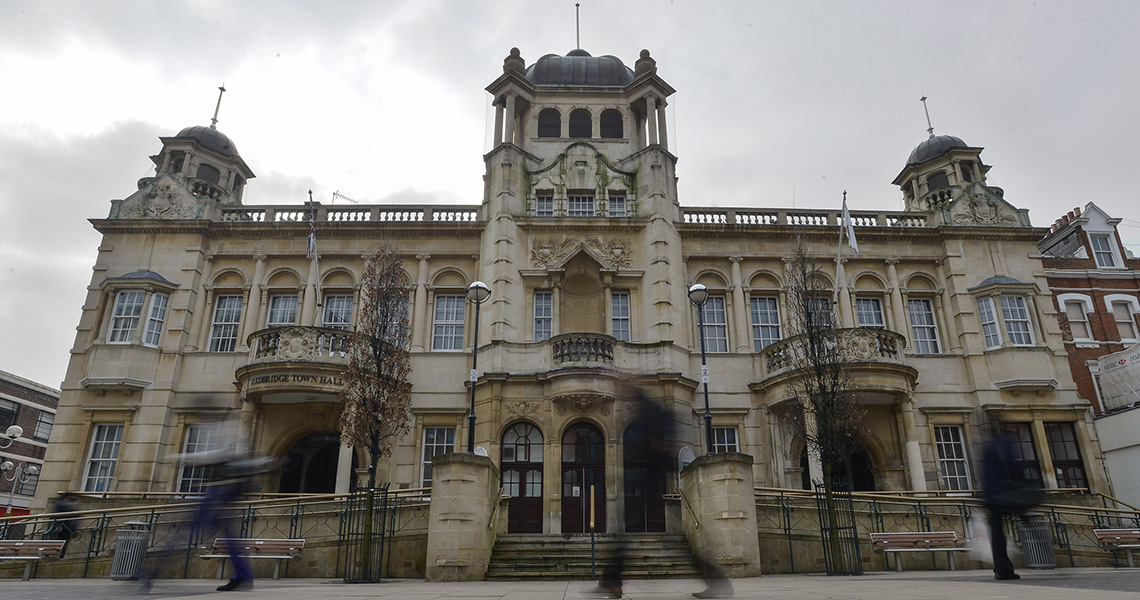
(1102,250)
(447,324)
(716,324)
(437,440)
(1016,316)
(617,205)
(952,457)
(102,458)
(817,311)
(155,318)
(989,322)
(870,312)
(282,310)
(620,317)
(1125,320)
(27,487)
(543,315)
(224,330)
(43,426)
(1078,319)
(923,330)
(125,316)
(544,205)
(338,311)
(194,477)
(765,321)
(7,413)
(580,205)
(724,440)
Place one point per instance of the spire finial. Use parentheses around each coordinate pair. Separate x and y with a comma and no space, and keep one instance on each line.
(214,121)
(577,25)
(929,127)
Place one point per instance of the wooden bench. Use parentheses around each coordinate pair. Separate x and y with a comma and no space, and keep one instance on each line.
(916,541)
(30,551)
(1119,539)
(255,548)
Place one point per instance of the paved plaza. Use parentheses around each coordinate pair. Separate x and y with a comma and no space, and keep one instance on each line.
(1060,584)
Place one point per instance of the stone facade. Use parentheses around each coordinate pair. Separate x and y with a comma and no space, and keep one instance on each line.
(202,307)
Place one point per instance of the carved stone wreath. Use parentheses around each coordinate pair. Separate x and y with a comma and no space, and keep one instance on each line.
(544,253)
(583,404)
(522,409)
(617,252)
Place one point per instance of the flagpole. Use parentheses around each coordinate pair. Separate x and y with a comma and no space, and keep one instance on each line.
(312,251)
(838,257)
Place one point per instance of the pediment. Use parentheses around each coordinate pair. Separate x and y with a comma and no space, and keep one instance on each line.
(162,197)
(556,253)
(977,205)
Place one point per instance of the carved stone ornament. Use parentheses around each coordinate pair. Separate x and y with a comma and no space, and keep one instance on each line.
(522,409)
(160,202)
(583,404)
(295,343)
(617,252)
(544,253)
(980,209)
(860,344)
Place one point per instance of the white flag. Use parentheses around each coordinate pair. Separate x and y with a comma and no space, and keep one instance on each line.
(850,228)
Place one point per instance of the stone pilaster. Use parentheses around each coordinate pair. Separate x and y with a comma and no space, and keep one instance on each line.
(718,489)
(464,494)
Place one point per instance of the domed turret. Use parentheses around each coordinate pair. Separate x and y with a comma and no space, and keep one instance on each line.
(933,147)
(210,139)
(579,68)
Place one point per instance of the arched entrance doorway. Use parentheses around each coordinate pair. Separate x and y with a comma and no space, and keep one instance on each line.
(521,465)
(644,480)
(583,465)
(310,466)
(861,477)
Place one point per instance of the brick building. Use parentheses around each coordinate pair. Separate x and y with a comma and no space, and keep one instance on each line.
(31,407)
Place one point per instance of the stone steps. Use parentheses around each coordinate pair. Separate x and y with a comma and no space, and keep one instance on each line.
(545,556)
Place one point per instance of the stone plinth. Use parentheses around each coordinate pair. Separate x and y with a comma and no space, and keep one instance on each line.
(464,494)
(718,489)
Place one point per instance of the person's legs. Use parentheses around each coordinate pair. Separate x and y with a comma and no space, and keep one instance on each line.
(1003,567)
(718,585)
(610,582)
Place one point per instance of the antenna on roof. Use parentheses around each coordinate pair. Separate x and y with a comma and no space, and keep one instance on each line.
(577,25)
(929,127)
(214,121)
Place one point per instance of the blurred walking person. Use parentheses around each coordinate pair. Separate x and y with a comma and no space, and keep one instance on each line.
(1007,489)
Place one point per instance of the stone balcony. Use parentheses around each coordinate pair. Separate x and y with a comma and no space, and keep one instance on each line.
(293,364)
(582,348)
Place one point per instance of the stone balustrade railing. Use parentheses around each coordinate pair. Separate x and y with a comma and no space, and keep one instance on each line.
(380,213)
(582,347)
(858,344)
(777,216)
(295,343)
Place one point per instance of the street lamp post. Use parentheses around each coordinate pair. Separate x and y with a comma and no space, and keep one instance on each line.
(477,294)
(698,295)
(21,473)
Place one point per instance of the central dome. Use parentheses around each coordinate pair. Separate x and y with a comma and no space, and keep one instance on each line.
(579,68)
(210,138)
(934,147)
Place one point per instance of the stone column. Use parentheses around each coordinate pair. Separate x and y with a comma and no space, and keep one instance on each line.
(913,452)
(252,310)
(1048,475)
(718,490)
(309,306)
(661,126)
(419,311)
(897,305)
(509,121)
(651,114)
(344,472)
(498,122)
(846,315)
(740,315)
(202,303)
(949,327)
(464,495)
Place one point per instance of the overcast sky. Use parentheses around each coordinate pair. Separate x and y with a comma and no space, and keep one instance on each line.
(779,104)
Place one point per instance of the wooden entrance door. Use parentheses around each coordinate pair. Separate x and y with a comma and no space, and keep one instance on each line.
(521,466)
(583,465)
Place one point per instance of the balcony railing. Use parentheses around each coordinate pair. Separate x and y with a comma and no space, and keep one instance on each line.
(295,343)
(381,213)
(859,344)
(776,216)
(582,347)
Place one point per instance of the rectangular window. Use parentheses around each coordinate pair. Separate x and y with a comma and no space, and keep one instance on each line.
(1078,320)
(224,331)
(543,315)
(952,458)
(194,477)
(724,440)
(716,324)
(544,206)
(282,311)
(1025,465)
(1125,322)
(157,316)
(765,322)
(621,316)
(870,312)
(28,488)
(580,205)
(7,414)
(817,311)
(617,206)
(125,316)
(1102,250)
(1066,453)
(989,322)
(922,327)
(437,440)
(447,325)
(1016,317)
(43,426)
(338,311)
(105,440)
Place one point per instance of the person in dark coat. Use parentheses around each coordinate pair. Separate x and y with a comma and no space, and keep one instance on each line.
(999,476)
(65,527)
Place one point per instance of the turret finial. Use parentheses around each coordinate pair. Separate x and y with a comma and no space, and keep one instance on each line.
(929,127)
(214,121)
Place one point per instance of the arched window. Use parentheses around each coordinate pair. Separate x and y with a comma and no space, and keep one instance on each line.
(549,123)
(209,173)
(581,124)
(611,124)
(937,181)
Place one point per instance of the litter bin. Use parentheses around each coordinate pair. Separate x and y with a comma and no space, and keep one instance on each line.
(1036,543)
(130,550)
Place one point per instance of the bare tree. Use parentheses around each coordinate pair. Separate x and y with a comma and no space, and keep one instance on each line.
(376,393)
(827,412)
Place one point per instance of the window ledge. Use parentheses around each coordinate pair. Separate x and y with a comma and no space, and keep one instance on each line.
(1027,385)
